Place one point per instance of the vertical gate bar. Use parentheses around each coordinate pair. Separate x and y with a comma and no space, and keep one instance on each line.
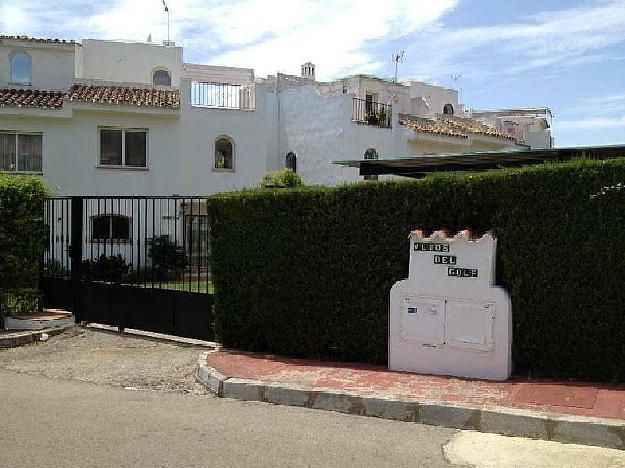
(132,233)
(99,240)
(53,233)
(60,234)
(199,243)
(139,274)
(145,239)
(88,213)
(77,228)
(191,244)
(153,216)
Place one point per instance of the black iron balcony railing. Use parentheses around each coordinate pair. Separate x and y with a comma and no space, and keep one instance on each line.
(371,113)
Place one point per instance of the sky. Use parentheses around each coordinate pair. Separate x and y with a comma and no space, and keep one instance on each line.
(568,55)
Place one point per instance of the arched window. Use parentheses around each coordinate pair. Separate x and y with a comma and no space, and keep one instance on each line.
(161,78)
(224,153)
(110,228)
(448,109)
(371,153)
(21,68)
(291,161)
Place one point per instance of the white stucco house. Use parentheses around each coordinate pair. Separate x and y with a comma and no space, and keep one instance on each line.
(101,117)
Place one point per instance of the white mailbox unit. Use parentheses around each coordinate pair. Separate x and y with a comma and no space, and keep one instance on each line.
(448,317)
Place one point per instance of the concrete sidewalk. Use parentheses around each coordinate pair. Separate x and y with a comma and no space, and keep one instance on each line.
(592,414)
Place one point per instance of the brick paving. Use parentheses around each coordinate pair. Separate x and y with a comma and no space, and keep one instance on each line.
(563,397)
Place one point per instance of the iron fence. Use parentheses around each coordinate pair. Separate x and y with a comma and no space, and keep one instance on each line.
(372,113)
(148,242)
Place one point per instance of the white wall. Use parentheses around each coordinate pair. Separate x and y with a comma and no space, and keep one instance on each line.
(200,127)
(319,129)
(311,125)
(436,96)
(127,62)
(52,64)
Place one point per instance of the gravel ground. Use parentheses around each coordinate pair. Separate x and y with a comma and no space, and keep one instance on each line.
(103,357)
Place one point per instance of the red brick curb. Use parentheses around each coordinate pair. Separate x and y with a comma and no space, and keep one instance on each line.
(501,420)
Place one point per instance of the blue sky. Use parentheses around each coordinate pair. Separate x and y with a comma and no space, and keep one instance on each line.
(567,55)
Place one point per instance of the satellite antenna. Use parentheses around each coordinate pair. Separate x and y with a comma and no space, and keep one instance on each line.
(397,57)
(166,11)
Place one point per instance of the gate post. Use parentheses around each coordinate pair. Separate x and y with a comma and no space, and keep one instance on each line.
(75,252)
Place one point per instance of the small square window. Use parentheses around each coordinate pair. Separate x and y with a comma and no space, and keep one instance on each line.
(123,147)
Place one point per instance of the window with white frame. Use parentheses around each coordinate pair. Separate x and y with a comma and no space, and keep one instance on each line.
(110,228)
(161,78)
(21,68)
(123,147)
(20,151)
(224,153)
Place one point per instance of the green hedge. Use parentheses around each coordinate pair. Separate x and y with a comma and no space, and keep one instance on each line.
(22,238)
(307,272)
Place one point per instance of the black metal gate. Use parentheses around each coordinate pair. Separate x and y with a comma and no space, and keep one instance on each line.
(130,262)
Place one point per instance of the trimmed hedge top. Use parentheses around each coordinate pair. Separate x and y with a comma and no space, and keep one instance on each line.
(307,271)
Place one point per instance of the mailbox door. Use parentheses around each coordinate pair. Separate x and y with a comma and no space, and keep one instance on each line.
(470,324)
(423,320)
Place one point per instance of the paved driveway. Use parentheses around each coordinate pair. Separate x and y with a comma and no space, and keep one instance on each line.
(105,357)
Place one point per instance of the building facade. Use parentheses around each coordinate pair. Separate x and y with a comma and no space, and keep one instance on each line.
(121,118)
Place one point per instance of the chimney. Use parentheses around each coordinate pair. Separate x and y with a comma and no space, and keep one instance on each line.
(308,71)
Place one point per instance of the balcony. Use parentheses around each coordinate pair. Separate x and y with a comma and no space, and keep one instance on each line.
(371,113)
(222,95)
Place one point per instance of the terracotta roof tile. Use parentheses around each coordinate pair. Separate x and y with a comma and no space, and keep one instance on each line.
(31,98)
(36,39)
(451,126)
(148,97)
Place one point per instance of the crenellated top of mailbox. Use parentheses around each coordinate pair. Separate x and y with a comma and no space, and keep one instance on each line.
(459,259)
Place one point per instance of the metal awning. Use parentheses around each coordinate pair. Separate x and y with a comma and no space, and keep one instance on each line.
(419,166)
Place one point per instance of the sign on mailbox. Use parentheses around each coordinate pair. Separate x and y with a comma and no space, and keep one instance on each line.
(448,317)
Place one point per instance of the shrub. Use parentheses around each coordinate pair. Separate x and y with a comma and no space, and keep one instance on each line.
(17,302)
(281,178)
(307,272)
(168,259)
(22,233)
(105,268)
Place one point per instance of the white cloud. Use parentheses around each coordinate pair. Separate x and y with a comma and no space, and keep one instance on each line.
(269,36)
(550,39)
(340,37)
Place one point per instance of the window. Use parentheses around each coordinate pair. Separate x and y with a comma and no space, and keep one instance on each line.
(21,69)
(448,109)
(123,147)
(291,161)
(371,153)
(110,228)
(20,152)
(161,78)
(224,153)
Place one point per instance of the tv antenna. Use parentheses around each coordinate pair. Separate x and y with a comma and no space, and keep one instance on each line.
(166,11)
(397,57)
(456,82)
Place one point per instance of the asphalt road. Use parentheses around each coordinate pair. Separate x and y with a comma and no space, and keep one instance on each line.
(51,422)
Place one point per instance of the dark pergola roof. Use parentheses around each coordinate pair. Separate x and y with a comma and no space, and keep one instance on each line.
(419,166)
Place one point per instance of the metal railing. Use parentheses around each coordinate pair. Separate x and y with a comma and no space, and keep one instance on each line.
(371,113)
(222,95)
(148,242)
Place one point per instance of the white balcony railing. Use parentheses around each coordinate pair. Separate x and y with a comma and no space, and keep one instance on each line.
(222,95)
